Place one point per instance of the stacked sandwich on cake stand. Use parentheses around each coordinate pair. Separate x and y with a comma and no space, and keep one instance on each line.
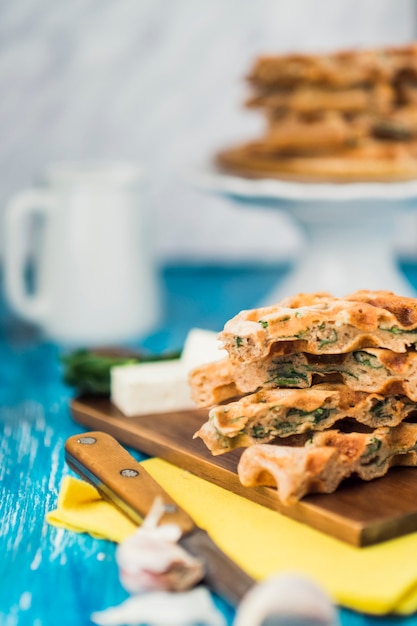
(339,153)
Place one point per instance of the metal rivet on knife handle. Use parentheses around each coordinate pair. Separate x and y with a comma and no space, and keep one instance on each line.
(87,440)
(129,473)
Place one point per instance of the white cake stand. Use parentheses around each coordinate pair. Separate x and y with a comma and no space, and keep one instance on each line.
(350,230)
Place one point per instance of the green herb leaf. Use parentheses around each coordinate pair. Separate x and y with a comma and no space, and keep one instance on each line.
(332,338)
(370,360)
(399,331)
(258,432)
(89,371)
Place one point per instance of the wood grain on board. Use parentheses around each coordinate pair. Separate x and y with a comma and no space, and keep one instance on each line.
(360,513)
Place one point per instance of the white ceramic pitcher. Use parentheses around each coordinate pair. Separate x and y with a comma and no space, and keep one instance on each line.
(95,276)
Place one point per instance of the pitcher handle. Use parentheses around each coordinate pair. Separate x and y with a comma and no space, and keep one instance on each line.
(23,205)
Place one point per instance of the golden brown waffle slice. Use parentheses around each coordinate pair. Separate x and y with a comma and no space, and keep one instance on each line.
(293,135)
(271,413)
(326,326)
(326,460)
(308,99)
(295,472)
(339,70)
(295,69)
(407,94)
(341,117)
(374,370)
(212,383)
(331,132)
(371,369)
(326,133)
(404,309)
(371,161)
(400,124)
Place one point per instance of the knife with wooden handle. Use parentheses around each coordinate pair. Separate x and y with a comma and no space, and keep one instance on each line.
(101,460)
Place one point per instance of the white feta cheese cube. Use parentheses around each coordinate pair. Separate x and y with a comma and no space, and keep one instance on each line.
(157,387)
(201,346)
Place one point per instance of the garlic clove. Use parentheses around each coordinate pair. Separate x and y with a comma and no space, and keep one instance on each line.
(151,559)
(286,600)
(162,608)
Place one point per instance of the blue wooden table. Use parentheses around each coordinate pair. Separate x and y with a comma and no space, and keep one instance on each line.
(50,576)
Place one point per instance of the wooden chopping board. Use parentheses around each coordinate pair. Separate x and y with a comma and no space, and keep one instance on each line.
(359,513)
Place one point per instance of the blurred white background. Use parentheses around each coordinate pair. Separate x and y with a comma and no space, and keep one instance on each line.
(162,82)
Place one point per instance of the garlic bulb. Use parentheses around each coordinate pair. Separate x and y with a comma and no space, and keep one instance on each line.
(287,600)
(152,559)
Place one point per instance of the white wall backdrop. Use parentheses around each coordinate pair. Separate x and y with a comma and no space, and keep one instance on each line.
(162,82)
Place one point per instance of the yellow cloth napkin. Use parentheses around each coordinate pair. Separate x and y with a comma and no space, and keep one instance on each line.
(82,509)
(378,579)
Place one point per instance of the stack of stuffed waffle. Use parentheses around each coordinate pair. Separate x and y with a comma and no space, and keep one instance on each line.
(338,117)
(315,389)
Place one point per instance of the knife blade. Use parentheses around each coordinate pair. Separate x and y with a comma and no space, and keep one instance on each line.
(101,460)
